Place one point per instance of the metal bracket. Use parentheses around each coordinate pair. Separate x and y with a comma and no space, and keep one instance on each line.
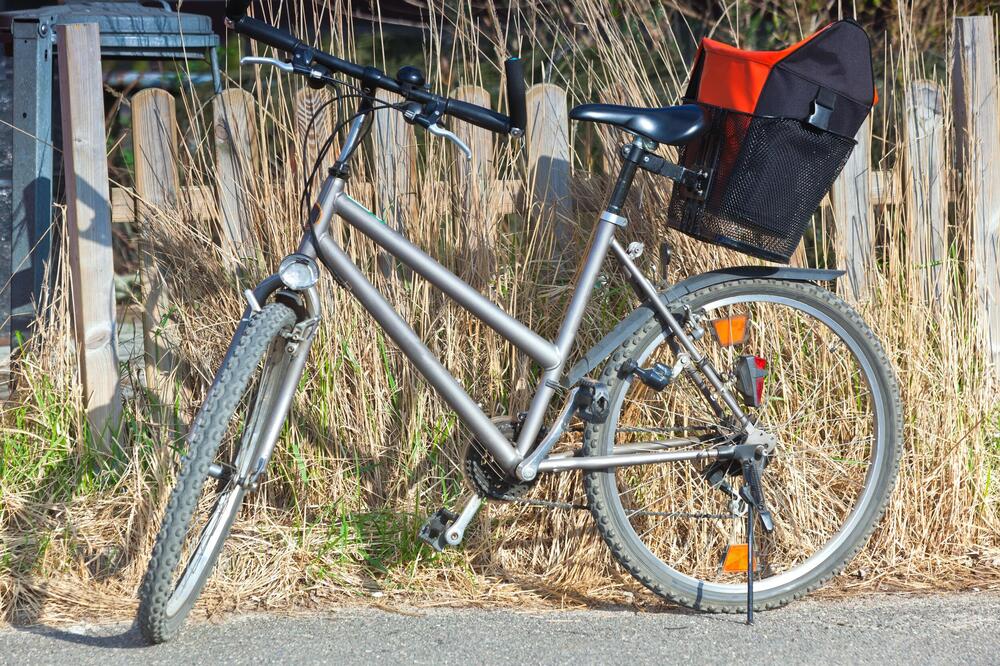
(302,331)
(251,300)
(617,220)
(697,181)
(758,437)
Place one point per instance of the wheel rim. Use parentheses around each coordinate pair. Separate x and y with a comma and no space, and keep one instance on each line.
(686,570)
(237,453)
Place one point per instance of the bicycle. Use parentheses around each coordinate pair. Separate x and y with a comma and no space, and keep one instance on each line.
(694,456)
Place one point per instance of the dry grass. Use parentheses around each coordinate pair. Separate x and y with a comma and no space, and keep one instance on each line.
(369,450)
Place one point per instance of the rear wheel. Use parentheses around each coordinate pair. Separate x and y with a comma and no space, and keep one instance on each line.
(224,455)
(830,398)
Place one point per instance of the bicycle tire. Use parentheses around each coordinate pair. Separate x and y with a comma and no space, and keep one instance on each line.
(602,492)
(160,614)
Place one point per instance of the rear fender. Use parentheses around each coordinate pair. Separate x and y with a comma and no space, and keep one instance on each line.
(638,318)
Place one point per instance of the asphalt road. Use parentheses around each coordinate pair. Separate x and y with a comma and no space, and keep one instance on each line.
(961,628)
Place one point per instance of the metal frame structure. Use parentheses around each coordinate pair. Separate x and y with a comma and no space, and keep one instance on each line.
(526,458)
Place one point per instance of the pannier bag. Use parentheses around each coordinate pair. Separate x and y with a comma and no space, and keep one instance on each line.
(781,127)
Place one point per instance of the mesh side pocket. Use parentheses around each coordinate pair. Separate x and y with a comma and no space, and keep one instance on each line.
(768,176)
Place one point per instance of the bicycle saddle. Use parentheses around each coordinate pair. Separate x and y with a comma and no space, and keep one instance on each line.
(672,125)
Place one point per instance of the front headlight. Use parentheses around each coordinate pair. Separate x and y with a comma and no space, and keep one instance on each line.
(298,272)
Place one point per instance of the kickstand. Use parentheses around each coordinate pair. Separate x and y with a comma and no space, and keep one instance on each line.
(750,562)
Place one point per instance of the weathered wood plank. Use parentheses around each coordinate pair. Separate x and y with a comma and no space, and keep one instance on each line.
(473,179)
(88,215)
(234,128)
(549,160)
(926,193)
(122,206)
(394,148)
(504,197)
(313,126)
(976,109)
(154,130)
(855,234)
(886,190)
(197,202)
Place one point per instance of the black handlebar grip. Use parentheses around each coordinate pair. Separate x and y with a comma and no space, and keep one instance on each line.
(477,115)
(236,8)
(515,94)
(263,32)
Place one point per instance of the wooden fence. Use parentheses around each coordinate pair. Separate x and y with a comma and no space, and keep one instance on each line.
(919,182)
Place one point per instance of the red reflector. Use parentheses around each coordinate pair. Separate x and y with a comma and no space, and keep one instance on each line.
(762,366)
(750,374)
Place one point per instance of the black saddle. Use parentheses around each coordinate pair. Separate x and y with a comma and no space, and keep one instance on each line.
(672,125)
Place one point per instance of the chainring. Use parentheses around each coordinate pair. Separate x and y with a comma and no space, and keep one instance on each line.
(485,476)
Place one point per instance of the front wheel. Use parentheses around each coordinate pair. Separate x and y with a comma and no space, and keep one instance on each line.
(831,399)
(226,442)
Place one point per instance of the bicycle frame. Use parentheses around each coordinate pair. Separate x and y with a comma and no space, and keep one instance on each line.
(522,460)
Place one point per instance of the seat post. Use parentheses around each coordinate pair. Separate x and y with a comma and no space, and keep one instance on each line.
(632,155)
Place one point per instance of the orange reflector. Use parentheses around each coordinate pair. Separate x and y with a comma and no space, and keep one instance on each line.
(735,560)
(730,331)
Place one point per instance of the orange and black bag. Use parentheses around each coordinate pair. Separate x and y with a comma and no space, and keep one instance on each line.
(781,127)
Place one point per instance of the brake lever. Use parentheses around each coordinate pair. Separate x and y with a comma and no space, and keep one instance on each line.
(255,60)
(437,130)
(318,77)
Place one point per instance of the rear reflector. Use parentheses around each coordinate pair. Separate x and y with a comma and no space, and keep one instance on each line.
(750,374)
(735,559)
(731,330)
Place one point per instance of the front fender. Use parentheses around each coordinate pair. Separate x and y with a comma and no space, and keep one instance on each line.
(637,319)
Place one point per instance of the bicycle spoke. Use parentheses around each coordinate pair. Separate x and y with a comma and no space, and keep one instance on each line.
(817,404)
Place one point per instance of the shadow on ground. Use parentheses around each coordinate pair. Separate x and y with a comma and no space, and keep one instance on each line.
(129,639)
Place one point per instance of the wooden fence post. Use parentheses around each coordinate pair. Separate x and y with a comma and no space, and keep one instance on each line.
(473,176)
(88,214)
(549,159)
(852,211)
(234,129)
(926,194)
(976,109)
(395,159)
(154,124)
(313,125)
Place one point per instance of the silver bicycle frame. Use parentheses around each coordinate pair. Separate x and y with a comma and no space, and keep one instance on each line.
(551,356)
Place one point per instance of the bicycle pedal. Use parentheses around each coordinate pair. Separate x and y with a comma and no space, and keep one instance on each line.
(436,527)
(656,377)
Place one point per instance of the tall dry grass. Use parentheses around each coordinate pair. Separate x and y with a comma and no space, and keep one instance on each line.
(369,450)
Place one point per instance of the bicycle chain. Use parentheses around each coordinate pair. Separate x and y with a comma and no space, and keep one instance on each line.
(570,506)
(488,482)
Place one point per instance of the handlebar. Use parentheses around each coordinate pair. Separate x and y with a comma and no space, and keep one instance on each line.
(373,78)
